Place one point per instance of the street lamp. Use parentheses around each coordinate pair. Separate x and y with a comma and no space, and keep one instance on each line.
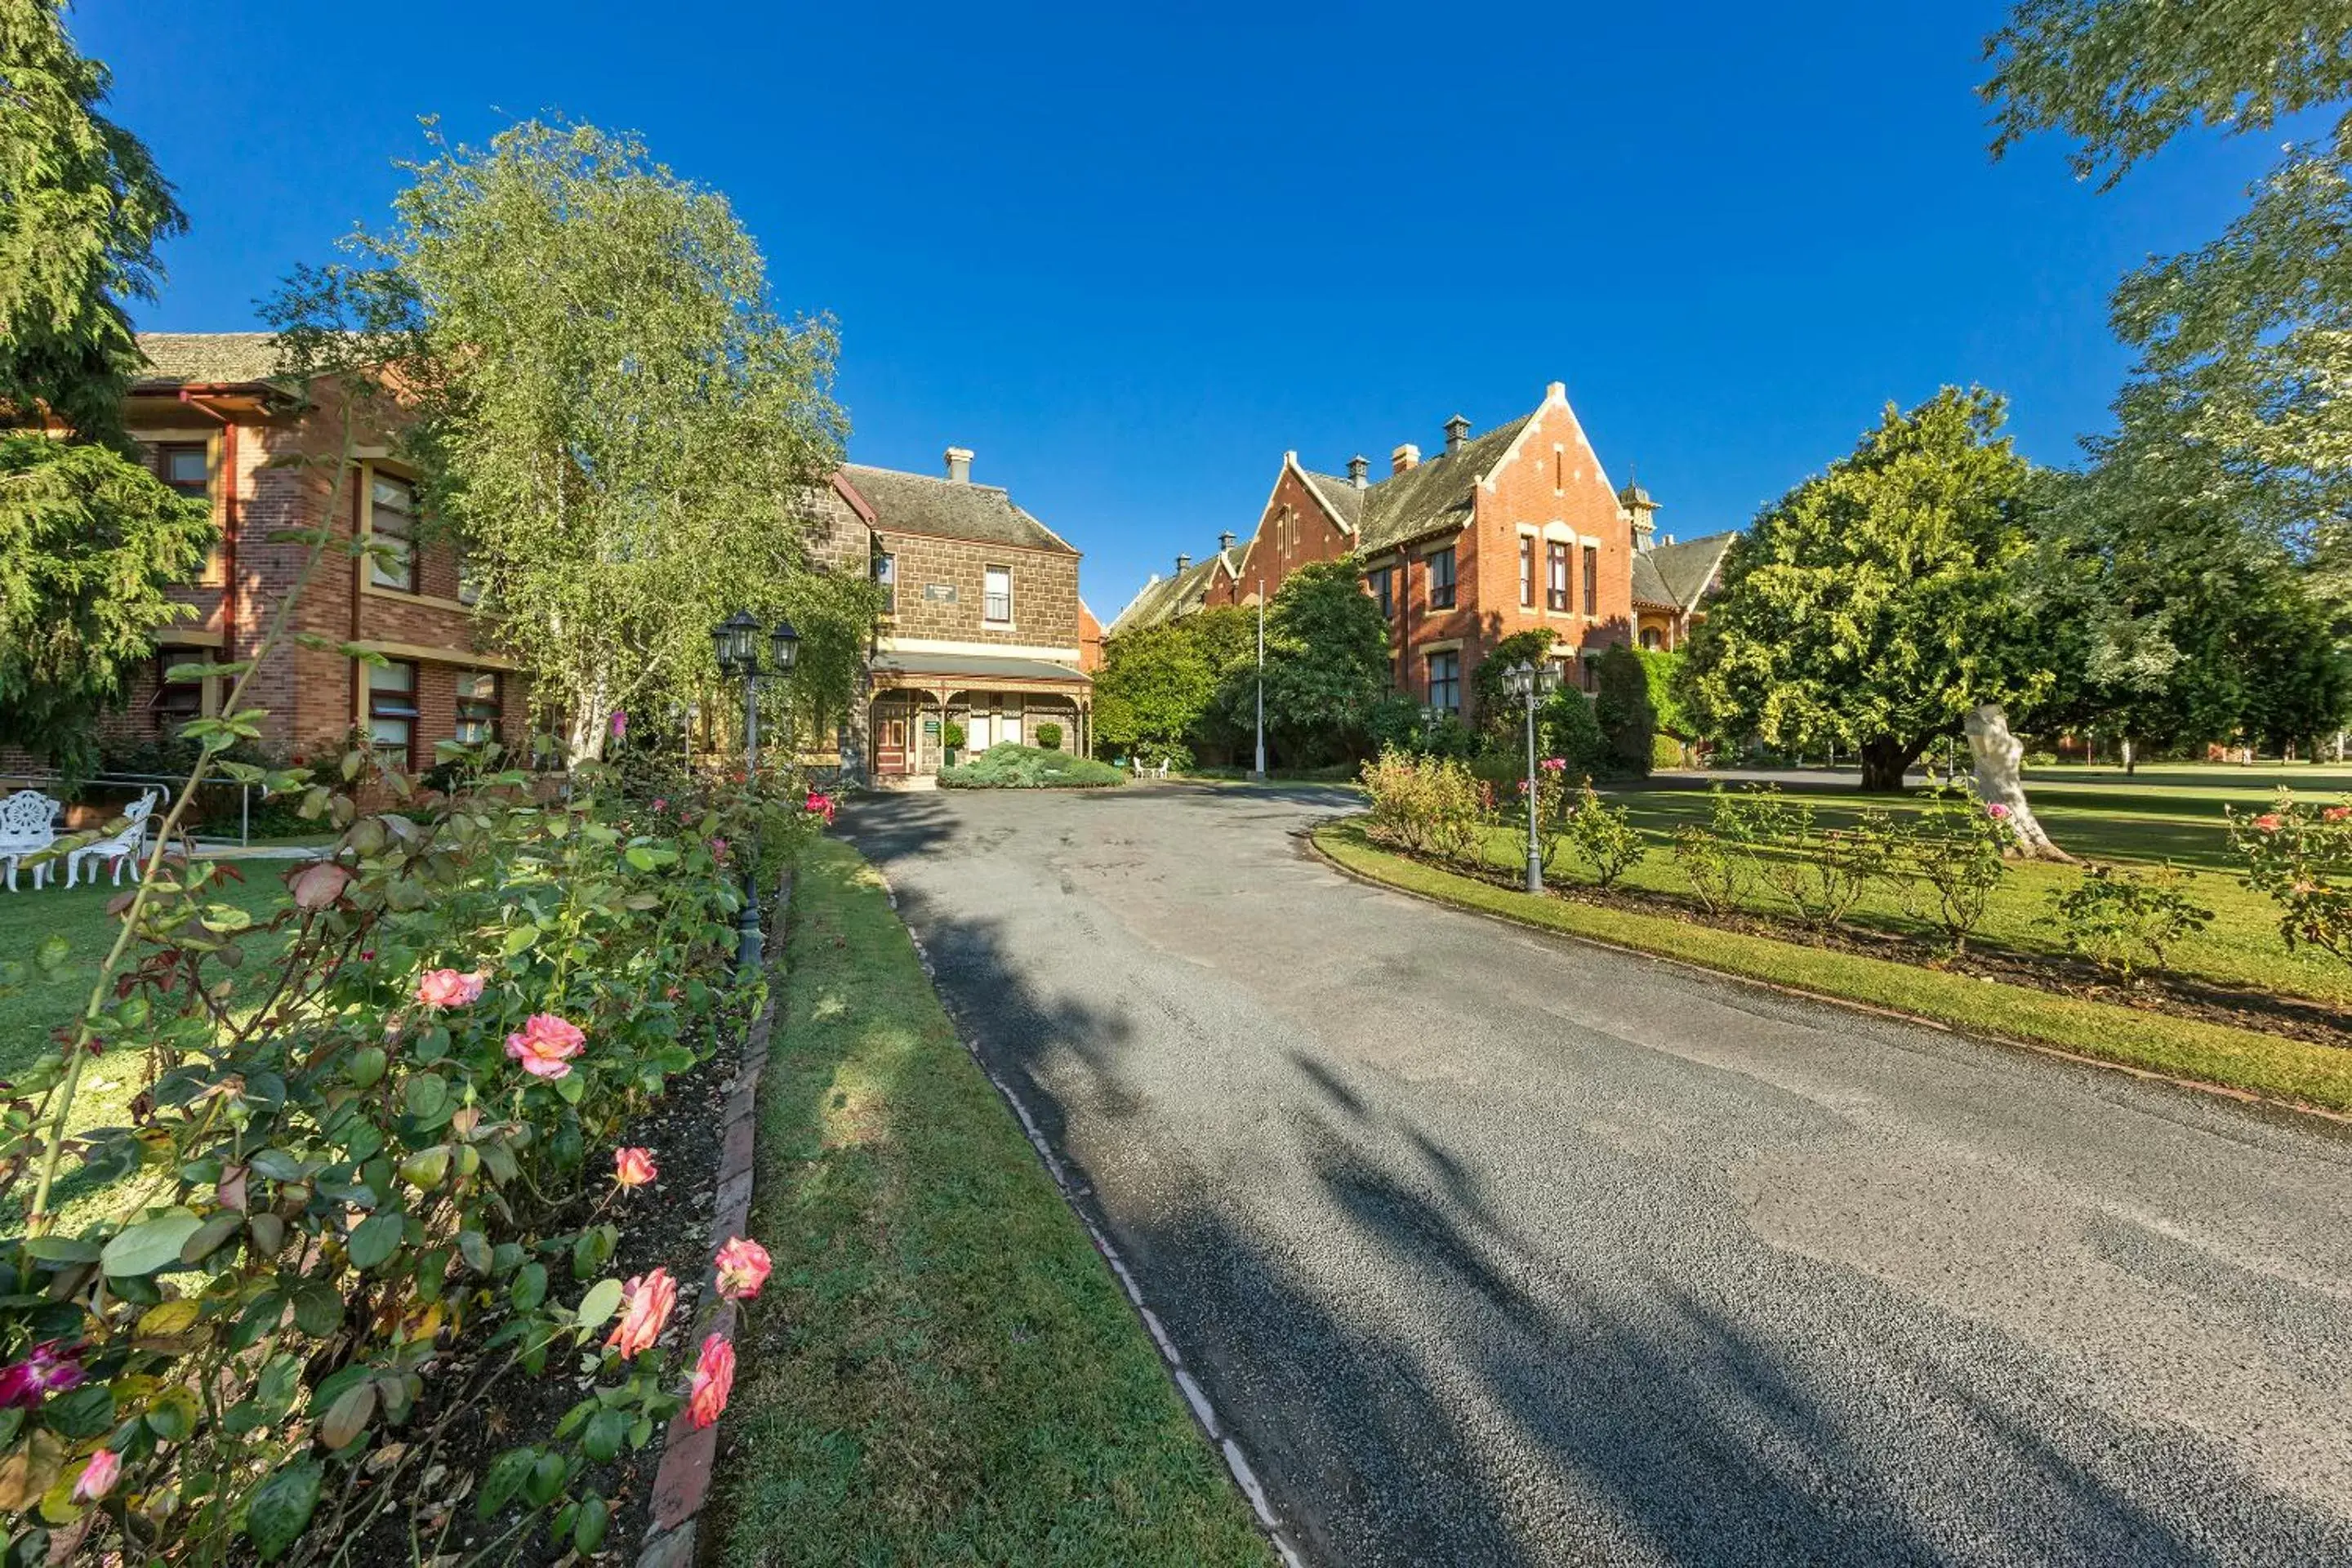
(1530,683)
(735,642)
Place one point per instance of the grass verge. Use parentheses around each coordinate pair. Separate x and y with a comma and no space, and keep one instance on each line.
(2272,1067)
(942,1369)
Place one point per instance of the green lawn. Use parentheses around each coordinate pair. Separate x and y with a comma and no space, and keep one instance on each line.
(2167,813)
(943,1370)
(2267,1065)
(30,1019)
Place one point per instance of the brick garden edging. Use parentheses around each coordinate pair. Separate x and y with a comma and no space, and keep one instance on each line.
(682,1482)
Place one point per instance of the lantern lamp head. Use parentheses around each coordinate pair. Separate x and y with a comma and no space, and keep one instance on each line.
(784,645)
(735,640)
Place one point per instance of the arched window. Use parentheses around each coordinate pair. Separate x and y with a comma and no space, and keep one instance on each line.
(1650,639)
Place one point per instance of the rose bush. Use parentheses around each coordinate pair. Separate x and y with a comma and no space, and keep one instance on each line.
(356,1192)
(2300,854)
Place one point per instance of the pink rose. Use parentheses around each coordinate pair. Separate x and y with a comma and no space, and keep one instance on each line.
(743,1267)
(544,1045)
(97,1476)
(646,1301)
(661,803)
(2336,814)
(620,722)
(1997,811)
(819,804)
(719,848)
(714,1380)
(1554,764)
(633,1167)
(42,1372)
(439,988)
(2268,822)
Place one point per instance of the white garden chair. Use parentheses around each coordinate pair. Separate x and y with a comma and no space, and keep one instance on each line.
(119,848)
(27,826)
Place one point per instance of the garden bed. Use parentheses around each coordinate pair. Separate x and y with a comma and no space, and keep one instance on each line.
(1015,766)
(2262,1063)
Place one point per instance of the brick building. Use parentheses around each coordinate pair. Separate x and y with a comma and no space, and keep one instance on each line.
(981,625)
(214,421)
(1503,531)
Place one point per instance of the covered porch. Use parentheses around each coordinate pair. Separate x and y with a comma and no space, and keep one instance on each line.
(993,699)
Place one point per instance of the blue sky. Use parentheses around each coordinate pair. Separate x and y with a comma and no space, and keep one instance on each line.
(1131,254)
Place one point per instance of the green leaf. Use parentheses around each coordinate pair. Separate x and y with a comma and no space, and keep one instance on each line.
(603,1298)
(282,1506)
(85,1412)
(503,1479)
(373,1240)
(474,1247)
(318,1309)
(588,1530)
(174,1414)
(211,1236)
(348,1416)
(529,1287)
(518,940)
(607,1430)
(546,1480)
(60,1249)
(150,1244)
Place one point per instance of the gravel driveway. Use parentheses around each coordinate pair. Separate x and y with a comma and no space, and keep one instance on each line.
(1495,1249)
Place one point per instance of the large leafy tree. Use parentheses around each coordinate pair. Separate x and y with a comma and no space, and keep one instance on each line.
(614,420)
(2237,405)
(1152,687)
(82,207)
(1874,603)
(89,541)
(1327,667)
(87,544)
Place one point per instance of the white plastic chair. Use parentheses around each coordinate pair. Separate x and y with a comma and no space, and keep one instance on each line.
(119,848)
(27,826)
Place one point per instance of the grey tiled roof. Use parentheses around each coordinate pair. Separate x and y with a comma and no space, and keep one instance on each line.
(1684,569)
(968,665)
(1345,502)
(1165,598)
(918,503)
(1649,588)
(1435,495)
(179,359)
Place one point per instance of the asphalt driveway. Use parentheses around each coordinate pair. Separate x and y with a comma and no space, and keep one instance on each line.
(1495,1249)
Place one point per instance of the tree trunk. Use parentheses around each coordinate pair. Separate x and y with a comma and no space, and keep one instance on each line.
(1998,754)
(2131,762)
(1885,760)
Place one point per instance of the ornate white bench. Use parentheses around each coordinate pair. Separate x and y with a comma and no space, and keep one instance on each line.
(28,823)
(118,848)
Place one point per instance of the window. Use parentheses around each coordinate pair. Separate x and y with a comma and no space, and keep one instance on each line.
(1556,575)
(1382,586)
(469,582)
(1445,682)
(996,598)
(885,577)
(176,701)
(391,711)
(1592,673)
(391,522)
(186,467)
(1440,578)
(1527,570)
(478,706)
(1591,580)
(1650,639)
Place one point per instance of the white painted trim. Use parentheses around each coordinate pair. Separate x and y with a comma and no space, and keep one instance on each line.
(1443,645)
(978,649)
(1291,463)
(1559,532)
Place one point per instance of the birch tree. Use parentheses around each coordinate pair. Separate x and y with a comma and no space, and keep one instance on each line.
(614,421)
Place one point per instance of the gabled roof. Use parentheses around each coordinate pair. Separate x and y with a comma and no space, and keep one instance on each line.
(1165,598)
(1435,495)
(1683,572)
(186,359)
(1650,589)
(1344,499)
(948,508)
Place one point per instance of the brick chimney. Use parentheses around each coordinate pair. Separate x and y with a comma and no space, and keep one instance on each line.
(1405,457)
(1357,466)
(958,465)
(1458,435)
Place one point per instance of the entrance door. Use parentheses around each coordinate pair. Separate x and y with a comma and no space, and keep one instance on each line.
(890,744)
(975,733)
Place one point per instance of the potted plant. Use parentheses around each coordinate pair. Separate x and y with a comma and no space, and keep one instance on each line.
(952,739)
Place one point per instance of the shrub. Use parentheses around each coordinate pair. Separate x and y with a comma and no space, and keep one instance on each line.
(1950,859)
(1665,751)
(2300,855)
(365,1179)
(1015,766)
(1712,857)
(1423,805)
(2116,917)
(1620,707)
(1820,874)
(1603,838)
(1566,728)
(1049,737)
(951,737)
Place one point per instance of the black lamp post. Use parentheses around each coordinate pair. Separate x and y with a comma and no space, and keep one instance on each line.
(735,642)
(1529,682)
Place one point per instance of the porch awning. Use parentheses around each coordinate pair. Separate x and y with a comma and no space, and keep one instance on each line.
(913,668)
